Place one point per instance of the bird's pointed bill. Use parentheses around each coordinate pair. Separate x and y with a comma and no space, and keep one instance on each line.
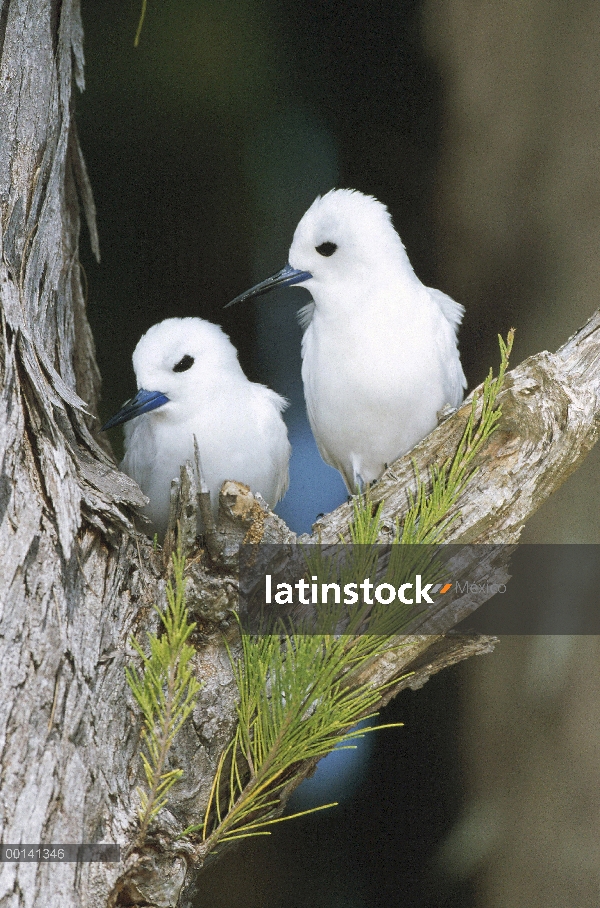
(284,278)
(143,402)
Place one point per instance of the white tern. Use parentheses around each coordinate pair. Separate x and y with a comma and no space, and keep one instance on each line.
(379,354)
(192,385)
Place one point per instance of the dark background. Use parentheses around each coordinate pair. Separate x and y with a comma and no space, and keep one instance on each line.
(205,146)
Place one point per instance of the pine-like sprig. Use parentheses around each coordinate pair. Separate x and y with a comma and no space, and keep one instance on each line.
(298,693)
(140,24)
(297,703)
(166,692)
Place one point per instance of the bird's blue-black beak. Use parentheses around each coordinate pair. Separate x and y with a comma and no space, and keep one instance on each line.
(143,402)
(284,278)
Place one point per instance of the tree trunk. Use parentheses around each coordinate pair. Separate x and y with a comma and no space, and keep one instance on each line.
(77,580)
(68,586)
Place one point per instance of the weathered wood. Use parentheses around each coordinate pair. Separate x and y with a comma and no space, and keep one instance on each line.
(77,579)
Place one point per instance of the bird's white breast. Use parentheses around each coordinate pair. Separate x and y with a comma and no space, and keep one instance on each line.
(240,436)
(374,382)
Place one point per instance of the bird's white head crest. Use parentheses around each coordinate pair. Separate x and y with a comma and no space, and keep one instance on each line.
(179,355)
(346,237)
(346,252)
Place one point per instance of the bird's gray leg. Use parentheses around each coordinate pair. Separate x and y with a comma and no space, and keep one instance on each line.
(360,487)
(374,482)
(445,413)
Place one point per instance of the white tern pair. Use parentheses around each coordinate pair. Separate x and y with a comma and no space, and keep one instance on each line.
(379,361)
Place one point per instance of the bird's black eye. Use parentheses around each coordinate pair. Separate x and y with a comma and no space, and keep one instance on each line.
(326,249)
(185,363)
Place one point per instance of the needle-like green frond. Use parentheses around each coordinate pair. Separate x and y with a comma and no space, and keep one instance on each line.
(165,690)
(297,702)
(299,693)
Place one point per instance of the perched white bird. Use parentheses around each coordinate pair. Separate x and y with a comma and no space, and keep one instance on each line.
(191,384)
(379,354)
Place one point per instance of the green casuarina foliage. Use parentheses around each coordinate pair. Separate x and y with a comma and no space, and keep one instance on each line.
(298,693)
(166,692)
(140,24)
(297,702)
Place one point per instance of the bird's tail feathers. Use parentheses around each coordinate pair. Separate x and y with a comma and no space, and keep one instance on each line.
(451,310)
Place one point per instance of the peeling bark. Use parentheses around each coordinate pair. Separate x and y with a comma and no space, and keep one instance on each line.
(78,580)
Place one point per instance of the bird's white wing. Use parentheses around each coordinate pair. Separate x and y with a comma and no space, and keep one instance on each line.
(447,341)
(273,427)
(305,315)
(140,451)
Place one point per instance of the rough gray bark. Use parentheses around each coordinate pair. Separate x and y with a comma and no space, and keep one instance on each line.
(63,542)
(77,580)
